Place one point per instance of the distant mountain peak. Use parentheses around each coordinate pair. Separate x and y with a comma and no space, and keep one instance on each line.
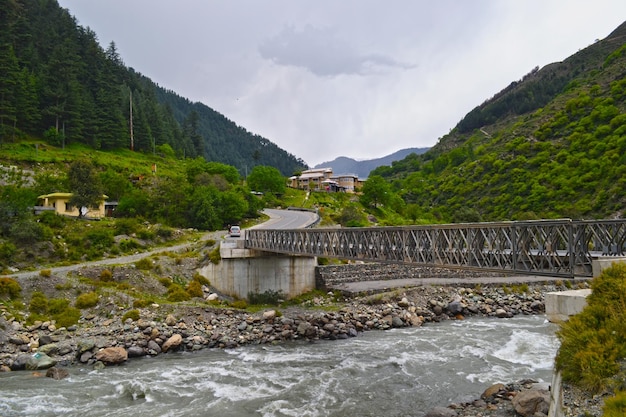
(362,168)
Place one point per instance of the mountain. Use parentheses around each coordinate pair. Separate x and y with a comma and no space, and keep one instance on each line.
(550,145)
(58,83)
(345,165)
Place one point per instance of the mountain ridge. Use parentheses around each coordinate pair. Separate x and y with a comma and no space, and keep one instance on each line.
(362,168)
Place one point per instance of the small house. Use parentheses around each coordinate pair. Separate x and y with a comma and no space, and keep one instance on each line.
(60,203)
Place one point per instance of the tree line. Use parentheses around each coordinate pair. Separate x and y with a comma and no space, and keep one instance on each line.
(57,82)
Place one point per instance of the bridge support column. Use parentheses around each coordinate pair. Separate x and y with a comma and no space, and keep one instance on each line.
(244,271)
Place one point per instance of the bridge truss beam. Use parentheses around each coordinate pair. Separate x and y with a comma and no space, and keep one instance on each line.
(546,247)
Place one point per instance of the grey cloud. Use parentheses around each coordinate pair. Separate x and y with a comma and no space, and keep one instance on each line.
(323,53)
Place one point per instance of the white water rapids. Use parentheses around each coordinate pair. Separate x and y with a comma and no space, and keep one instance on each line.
(401,372)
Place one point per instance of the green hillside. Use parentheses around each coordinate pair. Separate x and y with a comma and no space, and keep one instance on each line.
(57,83)
(550,145)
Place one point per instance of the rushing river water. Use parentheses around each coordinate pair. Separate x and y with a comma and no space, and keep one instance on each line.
(401,372)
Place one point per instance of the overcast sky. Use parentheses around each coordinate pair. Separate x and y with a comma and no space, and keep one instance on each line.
(356,78)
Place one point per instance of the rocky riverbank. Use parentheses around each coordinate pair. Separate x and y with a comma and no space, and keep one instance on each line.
(102,338)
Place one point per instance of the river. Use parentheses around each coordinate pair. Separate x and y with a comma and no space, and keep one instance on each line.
(400,372)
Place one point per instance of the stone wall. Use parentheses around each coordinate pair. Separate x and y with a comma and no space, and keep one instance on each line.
(332,275)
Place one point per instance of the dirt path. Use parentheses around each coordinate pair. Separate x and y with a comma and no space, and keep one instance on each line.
(121,260)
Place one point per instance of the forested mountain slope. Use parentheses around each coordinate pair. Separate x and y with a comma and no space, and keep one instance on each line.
(550,145)
(57,82)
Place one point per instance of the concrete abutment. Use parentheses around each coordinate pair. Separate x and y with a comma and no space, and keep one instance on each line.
(244,271)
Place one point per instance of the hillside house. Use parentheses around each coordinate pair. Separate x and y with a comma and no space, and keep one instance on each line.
(323,179)
(60,203)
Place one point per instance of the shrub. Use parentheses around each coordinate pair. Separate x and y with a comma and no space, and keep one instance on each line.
(38,303)
(201,279)
(46,273)
(144,264)
(7,250)
(166,282)
(239,304)
(177,293)
(126,226)
(86,300)
(615,406)
(128,245)
(214,256)
(106,275)
(132,314)
(194,289)
(594,341)
(58,305)
(141,303)
(100,238)
(67,317)
(165,232)
(9,288)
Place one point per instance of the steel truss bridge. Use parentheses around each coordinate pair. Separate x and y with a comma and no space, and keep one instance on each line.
(561,248)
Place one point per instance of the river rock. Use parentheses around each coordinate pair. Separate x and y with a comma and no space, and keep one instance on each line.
(112,355)
(528,403)
(39,361)
(172,342)
(170,320)
(492,391)
(135,351)
(57,373)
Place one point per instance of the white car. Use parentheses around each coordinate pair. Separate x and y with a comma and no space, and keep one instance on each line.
(235,231)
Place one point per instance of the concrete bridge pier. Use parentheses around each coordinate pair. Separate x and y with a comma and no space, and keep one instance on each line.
(244,271)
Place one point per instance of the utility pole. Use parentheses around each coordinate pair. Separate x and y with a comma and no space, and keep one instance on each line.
(132,139)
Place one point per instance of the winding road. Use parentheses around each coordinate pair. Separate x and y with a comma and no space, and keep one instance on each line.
(279,219)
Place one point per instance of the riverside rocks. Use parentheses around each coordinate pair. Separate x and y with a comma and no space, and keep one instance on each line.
(159,330)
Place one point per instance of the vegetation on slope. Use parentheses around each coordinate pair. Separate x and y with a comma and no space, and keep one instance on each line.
(565,158)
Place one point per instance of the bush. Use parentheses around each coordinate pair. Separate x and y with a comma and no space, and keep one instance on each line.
(141,303)
(86,300)
(58,305)
(38,303)
(7,250)
(214,256)
(615,406)
(239,304)
(106,275)
(165,232)
(9,288)
(126,226)
(100,238)
(177,293)
(194,289)
(144,264)
(594,341)
(132,314)
(67,317)
(201,279)
(46,273)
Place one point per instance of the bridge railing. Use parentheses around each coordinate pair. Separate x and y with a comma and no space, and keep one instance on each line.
(545,247)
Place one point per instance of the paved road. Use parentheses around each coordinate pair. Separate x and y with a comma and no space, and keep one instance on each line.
(288,219)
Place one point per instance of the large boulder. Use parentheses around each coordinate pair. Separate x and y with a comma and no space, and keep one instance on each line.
(39,360)
(530,402)
(172,342)
(112,355)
